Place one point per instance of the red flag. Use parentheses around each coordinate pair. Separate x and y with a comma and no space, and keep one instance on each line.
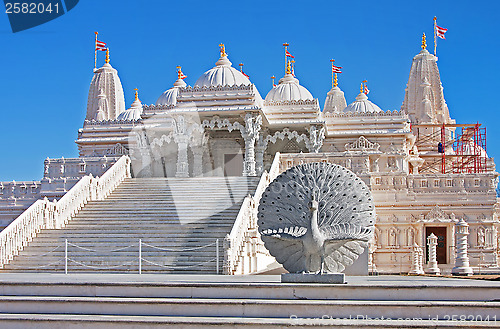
(366,90)
(180,75)
(287,53)
(99,45)
(440,31)
(336,69)
(245,74)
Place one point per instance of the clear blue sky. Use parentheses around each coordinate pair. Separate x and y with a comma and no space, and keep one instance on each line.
(46,71)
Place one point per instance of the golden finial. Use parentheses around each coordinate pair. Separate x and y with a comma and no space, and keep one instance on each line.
(222,50)
(178,67)
(272,78)
(424,43)
(288,68)
(435,18)
(335,81)
(286,44)
(136,94)
(361,90)
(96,33)
(107,55)
(241,67)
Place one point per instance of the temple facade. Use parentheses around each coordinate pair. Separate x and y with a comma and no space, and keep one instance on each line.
(426,172)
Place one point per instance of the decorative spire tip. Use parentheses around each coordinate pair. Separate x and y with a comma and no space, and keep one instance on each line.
(107,55)
(222,50)
(288,68)
(136,94)
(424,42)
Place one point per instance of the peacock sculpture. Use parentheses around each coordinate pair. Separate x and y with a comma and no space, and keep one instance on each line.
(316,218)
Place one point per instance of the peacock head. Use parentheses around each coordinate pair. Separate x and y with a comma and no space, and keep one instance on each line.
(313,205)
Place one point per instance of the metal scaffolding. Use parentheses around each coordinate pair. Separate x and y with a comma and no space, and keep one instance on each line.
(451,148)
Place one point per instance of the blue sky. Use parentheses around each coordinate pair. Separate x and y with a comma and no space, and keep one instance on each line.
(46,71)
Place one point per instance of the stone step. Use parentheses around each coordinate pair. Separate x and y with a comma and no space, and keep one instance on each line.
(51,321)
(245,308)
(386,287)
(199,301)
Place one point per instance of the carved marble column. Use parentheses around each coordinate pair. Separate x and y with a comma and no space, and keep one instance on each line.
(431,247)
(259,154)
(182,156)
(197,161)
(462,259)
(250,133)
(145,163)
(181,137)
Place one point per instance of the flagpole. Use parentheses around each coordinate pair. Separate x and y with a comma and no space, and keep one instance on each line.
(331,61)
(285,45)
(95,51)
(435,35)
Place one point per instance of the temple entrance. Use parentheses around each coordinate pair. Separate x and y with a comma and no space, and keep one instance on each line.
(441,252)
(233,164)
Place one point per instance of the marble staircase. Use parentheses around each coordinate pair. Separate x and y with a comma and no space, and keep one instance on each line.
(177,220)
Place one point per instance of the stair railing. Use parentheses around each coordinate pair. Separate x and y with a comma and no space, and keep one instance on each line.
(245,226)
(44,214)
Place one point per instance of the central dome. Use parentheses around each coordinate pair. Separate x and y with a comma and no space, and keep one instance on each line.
(288,89)
(223,74)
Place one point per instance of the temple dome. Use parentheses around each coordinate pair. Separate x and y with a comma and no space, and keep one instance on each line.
(362,105)
(288,89)
(106,100)
(223,74)
(133,113)
(169,97)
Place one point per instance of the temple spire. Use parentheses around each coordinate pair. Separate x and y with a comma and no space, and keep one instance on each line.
(107,55)
(136,94)
(288,68)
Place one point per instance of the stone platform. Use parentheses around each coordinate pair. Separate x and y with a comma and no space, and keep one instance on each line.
(338,278)
(200,301)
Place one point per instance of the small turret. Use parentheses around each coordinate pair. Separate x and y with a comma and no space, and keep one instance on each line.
(335,100)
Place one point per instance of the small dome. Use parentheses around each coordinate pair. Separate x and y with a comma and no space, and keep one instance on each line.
(362,105)
(133,113)
(223,74)
(169,97)
(288,89)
